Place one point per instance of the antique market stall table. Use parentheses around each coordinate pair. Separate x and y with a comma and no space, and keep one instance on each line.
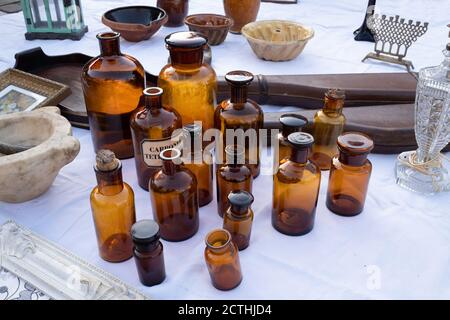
(399,247)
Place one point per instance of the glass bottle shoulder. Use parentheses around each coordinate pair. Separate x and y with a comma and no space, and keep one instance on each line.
(121,198)
(292,172)
(366,168)
(107,67)
(228,109)
(181,181)
(165,119)
(234,174)
(203,74)
(322,117)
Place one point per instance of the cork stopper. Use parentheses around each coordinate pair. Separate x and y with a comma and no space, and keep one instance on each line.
(335,94)
(106,160)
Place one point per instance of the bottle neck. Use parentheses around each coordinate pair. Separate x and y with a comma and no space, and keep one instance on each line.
(299,155)
(186,58)
(239,94)
(333,107)
(238,211)
(110,46)
(355,160)
(146,247)
(152,102)
(109,182)
(169,167)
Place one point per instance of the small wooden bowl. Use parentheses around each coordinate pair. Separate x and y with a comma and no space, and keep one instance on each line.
(135,23)
(214,26)
(277,40)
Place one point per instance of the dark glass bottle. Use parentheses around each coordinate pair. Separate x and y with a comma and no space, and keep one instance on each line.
(239,218)
(112,203)
(350,174)
(153,128)
(290,123)
(148,252)
(234,175)
(199,163)
(240,113)
(176,10)
(174,196)
(327,126)
(112,85)
(296,189)
(189,85)
(222,260)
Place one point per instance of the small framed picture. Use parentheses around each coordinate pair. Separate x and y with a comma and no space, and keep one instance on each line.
(21,91)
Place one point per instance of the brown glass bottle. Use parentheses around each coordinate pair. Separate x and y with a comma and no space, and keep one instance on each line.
(327,126)
(350,174)
(148,252)
(290,123)
(222,260)
(234,175)
(199,163)
(241,115)
(153,128)
(112,85)
(296,189)
(242,12)
(239,218)
(189,85)
(173,192)
(176,10)
(112,203)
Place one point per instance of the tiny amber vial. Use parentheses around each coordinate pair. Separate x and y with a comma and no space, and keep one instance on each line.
(174,197)
(198,162)
(239,218)
(290,123)
(234,175)
(296,189)
(112,203)
(350,174)
(148,252)
(222,260)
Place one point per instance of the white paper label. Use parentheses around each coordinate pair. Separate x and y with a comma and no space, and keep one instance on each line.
(152,148)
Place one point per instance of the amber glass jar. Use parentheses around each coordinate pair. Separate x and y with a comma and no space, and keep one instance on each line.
(296,189)
(242,12)
(239,218)
(201,165)
(148,252)
(153,128)
(112,203)
(112,85)
(189,85)
(350,174)
(176,10)
(290,123)
(234,175)
(222,260)
(327,126)
(239,119)
(173,192)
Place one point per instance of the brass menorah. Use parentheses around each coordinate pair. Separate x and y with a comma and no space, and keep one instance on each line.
(393,37)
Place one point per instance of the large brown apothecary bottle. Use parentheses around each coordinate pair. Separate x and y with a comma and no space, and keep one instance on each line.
(189,85)
(296,189)
(198,162)
(350,174)
(242,12)
(112,86)
(234,175)
(222,260)
(241,116)
(112,204)
(154,129)
(327,126)
(174,197)
(176,10)
(290,123)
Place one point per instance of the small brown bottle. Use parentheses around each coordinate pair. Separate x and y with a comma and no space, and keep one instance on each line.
(201,165)
(241,116)
(296,189)
(239,218)
(290,123)
(234,175)
(153,128)
(327,126)
(148,252)
(112,85)
(112,203)
(222,260)
(350,174)
(173,192)
(176,10)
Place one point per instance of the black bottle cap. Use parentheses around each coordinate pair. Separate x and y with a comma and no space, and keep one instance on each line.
(355,143)
(145,232)
(239,78)
(240,200)
(292,122)
(186,39)
(301,140)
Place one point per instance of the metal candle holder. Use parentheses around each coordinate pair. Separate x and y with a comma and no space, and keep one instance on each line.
(393,37)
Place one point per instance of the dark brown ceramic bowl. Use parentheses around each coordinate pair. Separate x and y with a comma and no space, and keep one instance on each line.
(135,23)
(214,26)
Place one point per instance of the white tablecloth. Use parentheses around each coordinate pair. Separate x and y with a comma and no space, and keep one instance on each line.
(399,247)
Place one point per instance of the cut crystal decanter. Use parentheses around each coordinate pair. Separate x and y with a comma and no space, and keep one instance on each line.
(427,170)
